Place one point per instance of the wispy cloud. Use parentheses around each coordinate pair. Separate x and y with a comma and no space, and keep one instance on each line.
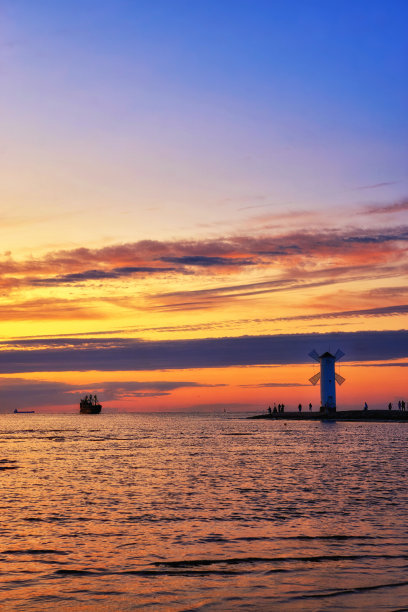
(386,364)
(255,206)
(384,311)
(389,291)
(53,307)
(100,275)
(385,209)
(207,298)
(274,384)
(375,185)
(206,261)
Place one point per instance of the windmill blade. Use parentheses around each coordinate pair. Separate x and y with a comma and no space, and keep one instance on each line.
(315,378)
(339,378)
(339,354)
(314,355)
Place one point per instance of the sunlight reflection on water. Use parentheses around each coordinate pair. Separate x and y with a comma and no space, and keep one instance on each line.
(119,512)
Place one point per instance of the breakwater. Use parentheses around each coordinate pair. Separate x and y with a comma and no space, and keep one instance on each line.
(384,416)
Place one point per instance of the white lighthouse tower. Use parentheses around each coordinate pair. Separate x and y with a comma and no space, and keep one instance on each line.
(328,378)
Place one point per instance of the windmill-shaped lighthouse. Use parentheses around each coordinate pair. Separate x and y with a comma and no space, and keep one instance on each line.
(327,377)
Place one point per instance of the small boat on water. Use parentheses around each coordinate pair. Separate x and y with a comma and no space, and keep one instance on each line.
(89,405)
(23,411)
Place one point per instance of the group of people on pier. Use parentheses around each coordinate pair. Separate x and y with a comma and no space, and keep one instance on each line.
(281,408)
(401,405)
(276,408)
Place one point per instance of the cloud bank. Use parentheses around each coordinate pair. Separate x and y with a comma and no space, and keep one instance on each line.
(296,252)
(115,354)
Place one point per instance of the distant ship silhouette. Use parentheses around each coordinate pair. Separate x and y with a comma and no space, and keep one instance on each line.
(23,411)
(89,405)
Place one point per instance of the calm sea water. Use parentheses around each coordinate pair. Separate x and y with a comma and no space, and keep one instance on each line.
(168,512)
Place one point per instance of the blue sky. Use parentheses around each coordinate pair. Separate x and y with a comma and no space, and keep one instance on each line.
(297,101)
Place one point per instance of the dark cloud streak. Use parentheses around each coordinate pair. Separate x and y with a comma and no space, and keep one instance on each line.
(385,209)
(376,185)
(386,311)
(99,275)
(21,393)
(205,261)
(132,355)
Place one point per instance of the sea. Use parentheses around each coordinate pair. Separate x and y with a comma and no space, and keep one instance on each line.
(201,512)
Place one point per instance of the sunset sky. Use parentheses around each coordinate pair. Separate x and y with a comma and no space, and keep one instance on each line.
(197,193)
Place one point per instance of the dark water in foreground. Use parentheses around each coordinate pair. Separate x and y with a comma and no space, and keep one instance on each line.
(128,512)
